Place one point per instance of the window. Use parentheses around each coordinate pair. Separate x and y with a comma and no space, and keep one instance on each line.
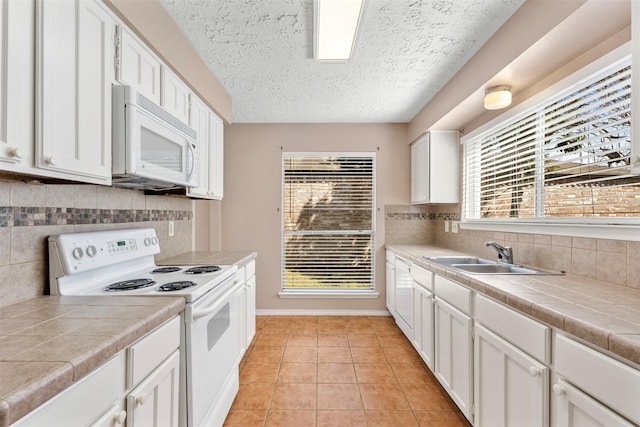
(564,159)
(328,221)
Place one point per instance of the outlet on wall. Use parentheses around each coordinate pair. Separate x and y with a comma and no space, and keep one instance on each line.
(171,229)
(454,226)
(446,226)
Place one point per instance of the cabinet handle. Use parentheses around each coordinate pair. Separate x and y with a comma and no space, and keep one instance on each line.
(119,419)
(558,390)
(15,152)
(534,372)
(50,160)
(141,399)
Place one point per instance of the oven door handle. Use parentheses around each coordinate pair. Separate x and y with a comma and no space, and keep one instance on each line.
(217,303)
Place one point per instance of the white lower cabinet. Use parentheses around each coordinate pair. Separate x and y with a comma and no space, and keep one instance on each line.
(423,331)
(454,354)
(390,282)
(510,387)
(248,329)
(403,296)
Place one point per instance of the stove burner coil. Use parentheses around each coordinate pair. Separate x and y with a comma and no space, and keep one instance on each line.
(203,269)
(166,269)
(129,285)
(176,286)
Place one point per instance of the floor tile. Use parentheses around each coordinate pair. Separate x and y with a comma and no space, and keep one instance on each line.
(441,419)
(426,397)
(331,328)
(359,329)
(300,354)
(328,339)
(246,418)
(339,396)
(392,419)
(302,340)
(368,355)
(266,355)
(259,372)
(334,354)
(294,396)
(362,340)
(374,373)
(272,340)
(298,372)
(412,373)
(380,397)
(394,341)
(253,396)
(341,418)
(279,418)
(336,373)
(402,355)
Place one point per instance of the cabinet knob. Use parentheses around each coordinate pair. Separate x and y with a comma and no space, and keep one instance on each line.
(119,419)
(15,152)
(558,390)
(534,372)
(141,399)
(50,160)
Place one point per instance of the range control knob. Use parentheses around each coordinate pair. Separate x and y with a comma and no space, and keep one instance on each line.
(154,241)
(147,241)
(91,251)
(77,252)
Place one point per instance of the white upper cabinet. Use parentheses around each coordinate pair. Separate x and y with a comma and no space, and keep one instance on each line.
(435,168)
(137,66)
(216,156)
(17,28)
(74,44)
(175,95)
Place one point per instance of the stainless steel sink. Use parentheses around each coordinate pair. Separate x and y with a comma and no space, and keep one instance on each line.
(467,260)
(500,268)
(477,265)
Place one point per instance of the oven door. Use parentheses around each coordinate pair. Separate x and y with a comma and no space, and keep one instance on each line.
(157,151)
(212,349)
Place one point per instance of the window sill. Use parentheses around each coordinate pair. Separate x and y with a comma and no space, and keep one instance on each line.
(595,231)
(317,293)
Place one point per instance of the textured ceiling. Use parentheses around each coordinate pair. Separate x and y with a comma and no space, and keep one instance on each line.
(407,50)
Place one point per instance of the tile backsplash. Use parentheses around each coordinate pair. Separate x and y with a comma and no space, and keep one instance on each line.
(614,261)
(30,212)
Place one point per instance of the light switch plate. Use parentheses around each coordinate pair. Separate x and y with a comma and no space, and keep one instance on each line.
(446,226)
(171,229)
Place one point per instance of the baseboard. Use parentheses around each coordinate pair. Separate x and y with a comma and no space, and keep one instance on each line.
(260,312)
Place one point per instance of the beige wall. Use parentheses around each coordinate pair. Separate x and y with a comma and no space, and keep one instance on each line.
(251,217)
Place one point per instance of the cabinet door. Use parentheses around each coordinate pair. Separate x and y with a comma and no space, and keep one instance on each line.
(116,416)
(577,409)
(511,388)
(76,62)
(443,165)
(453,354)
(17,29)
(420,170)
(216,156)
(199,120)
(390,278)
(404,298)
(155,401)
(137,66)
(175,95)
(250,304)
(424,333)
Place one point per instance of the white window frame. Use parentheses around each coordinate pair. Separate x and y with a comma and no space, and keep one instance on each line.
(623,228)
(319,292)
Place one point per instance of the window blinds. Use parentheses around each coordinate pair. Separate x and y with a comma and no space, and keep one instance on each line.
(567,157)
(328,220)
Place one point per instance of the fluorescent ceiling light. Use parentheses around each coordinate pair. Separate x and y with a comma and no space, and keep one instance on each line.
(336,28)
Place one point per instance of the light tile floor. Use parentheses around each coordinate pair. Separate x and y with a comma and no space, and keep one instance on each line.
(337,371)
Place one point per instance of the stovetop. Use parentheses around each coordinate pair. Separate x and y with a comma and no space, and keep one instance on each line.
(121,262)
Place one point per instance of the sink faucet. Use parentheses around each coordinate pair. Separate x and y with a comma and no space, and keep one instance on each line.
(503,251)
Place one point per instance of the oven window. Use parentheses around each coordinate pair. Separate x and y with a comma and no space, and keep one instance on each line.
(160,151)
(217,326)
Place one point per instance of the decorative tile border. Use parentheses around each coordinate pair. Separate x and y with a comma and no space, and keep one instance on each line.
(443,216)
(17,216)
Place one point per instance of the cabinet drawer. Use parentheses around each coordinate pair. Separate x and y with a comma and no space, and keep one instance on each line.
(250,270)
(391,257)
(145,355)
(519,330)
(422,276)
(606,379)
(453,293)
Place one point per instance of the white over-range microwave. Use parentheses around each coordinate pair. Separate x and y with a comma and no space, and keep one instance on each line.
(151,148)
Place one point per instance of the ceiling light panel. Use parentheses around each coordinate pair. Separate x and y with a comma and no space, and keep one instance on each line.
(336,28)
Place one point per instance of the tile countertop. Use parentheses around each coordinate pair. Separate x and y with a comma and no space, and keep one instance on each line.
(50,342)
(213,257)
(603,314)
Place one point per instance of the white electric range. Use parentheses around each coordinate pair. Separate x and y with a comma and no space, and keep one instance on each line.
(121,263)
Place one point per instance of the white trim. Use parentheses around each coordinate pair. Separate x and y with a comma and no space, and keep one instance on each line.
(319,293)
(616,232)
(322,313)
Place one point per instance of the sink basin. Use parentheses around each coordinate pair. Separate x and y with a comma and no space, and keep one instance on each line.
(467,260)
(499,268)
